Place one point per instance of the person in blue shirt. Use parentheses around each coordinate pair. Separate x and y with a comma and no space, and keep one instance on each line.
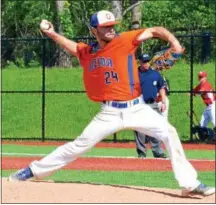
(152,84)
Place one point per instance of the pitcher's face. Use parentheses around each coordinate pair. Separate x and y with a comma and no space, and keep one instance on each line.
(105,33)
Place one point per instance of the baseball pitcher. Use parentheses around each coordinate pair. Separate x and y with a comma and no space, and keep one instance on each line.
(110,77)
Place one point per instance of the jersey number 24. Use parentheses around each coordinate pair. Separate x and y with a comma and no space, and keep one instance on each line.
(110,77)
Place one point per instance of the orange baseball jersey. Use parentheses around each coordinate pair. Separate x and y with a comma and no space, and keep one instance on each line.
(208,98)
(111,73)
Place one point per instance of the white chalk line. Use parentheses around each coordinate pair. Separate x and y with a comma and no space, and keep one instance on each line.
(94,156)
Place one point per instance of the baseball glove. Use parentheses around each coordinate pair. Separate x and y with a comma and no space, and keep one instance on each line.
(165,59)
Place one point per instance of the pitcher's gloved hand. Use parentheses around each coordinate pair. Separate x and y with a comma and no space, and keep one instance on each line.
(165,59)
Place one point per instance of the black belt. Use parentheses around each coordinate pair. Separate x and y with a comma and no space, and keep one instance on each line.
(150,101)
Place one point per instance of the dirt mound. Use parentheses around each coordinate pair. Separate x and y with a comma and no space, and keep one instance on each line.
(50,192)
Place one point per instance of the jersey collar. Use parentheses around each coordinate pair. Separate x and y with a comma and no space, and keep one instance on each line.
(95,46)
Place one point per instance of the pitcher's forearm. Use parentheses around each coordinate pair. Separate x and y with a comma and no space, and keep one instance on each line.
(162,33)
(67,44)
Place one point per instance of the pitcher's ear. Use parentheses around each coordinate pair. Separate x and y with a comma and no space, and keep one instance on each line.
(93,30)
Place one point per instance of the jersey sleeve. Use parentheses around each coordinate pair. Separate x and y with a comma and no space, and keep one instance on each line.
(82,49)
(132,36)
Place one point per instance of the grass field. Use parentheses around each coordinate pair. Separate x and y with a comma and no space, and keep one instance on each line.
(67,114)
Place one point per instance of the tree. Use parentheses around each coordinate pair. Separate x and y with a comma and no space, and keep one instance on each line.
(136,16)
(117,9)
(63,59)
(21,19)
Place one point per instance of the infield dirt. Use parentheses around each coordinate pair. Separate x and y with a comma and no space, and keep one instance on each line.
(51,192)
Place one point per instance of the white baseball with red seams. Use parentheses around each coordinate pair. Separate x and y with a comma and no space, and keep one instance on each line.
(44,25)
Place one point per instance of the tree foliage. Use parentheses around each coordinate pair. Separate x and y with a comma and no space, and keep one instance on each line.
(22,18)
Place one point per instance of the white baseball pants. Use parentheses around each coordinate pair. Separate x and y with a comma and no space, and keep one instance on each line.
(109,120)
(208,115)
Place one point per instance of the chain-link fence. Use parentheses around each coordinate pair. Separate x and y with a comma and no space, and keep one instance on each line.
(42,90)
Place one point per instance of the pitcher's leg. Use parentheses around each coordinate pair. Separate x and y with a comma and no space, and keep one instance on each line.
(94,132)
(184,172)
(140,140)
(60,157)
(104,124)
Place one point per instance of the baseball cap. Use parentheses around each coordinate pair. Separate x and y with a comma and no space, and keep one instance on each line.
(144,58)
(103,18)
(202,74)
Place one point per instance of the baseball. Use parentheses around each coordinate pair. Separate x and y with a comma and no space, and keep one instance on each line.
(44,25)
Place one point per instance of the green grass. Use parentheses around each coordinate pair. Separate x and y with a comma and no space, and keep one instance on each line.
(68,114)
(21,115)
(118,152)
(148,179)
(31,79)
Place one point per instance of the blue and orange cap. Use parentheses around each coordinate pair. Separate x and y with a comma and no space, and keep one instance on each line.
(103,18)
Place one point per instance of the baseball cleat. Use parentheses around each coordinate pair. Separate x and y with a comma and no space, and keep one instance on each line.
(201,190)
(21,175)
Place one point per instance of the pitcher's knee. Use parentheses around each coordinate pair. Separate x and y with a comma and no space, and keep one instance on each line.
(172,129)
(164,136)
(173,132)
(74,148)
(163,131)
(169,131)
(82,145)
